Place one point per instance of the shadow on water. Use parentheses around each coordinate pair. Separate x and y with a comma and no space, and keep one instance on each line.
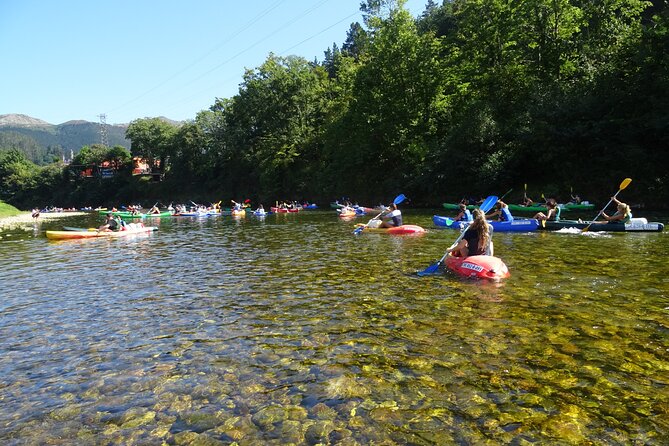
(292,329)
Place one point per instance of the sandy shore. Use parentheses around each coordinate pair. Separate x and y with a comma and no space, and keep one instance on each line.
(21,219)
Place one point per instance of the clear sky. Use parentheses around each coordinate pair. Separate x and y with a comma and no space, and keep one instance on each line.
(74,59)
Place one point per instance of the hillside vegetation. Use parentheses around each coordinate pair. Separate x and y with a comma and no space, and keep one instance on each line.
(42,142)
(7,210)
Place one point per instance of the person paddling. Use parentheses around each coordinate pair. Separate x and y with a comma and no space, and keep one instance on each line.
(111,224)
(393,218)
(477,240)
(552,214)
(464,215)
(623,213)
(502,213)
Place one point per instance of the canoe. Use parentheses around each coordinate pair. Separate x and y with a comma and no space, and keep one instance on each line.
(348,214)
(517,225)
(542,207)
(635,225)
(533,208)
(478,267)
(283,210)
(455,206)
(126,214)
(399,230)
(199,214)
(67,235)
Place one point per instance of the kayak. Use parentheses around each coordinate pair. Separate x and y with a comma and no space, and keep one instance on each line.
(238,213)
(66,235)
(478,267)
(283,210)
(517,225)
(455,206)
(199,214)
(635,225)
(348,214)
(126,214)
(543,208)
(311,206)
(398,230)
(533,208)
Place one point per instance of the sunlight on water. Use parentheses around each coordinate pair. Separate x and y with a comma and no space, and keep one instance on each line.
(291,329)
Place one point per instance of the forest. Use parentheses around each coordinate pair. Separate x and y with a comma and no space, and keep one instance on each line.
(472,97)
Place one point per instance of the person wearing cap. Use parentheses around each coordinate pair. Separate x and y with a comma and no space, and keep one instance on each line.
(393,218)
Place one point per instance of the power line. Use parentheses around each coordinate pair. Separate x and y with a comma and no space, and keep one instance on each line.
(215,48)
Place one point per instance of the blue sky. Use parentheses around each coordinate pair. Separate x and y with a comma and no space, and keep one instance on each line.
(129,59)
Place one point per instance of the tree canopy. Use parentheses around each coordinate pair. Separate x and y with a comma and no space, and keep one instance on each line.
(470,97)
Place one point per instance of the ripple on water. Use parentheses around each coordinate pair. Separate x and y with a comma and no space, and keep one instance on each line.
(291,329)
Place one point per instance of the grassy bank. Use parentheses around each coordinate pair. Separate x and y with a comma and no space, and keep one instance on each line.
(7,210)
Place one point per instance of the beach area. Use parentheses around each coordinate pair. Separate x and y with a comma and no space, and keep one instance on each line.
(26,218)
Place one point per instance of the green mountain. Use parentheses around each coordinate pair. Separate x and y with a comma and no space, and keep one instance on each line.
(42,142)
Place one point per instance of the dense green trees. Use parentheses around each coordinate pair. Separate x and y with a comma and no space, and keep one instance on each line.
(471,97)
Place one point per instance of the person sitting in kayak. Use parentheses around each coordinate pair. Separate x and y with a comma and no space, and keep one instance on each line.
(527,201)
(464,214)
(623,213)
(393,219)
(154,210)
(502,213)
(111,224)
(552,214)
(477,240)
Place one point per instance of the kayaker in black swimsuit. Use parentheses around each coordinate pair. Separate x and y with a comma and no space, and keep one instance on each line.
(476,240)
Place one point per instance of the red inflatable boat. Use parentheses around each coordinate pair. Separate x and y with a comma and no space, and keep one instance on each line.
(478,267)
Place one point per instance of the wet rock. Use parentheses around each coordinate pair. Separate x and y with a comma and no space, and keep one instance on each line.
(135,418)
(319,432)
(322,412)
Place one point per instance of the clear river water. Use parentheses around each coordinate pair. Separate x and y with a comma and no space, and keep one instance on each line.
(292,330)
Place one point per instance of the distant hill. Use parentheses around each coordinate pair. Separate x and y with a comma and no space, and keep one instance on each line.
(21,131)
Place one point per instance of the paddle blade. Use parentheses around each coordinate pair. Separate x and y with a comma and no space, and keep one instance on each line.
(398,199)
(488,203)
(429,270)
(358,230)
(626,182)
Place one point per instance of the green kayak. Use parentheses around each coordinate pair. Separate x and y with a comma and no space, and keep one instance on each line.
(533,208)
(126,214)
(542,208)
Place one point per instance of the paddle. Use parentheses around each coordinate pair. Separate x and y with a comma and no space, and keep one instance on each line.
(398,199)
(507,193)
(487,204)
(626,182)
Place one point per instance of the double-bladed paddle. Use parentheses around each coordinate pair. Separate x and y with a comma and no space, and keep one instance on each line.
(398,199)
(626,182)
(487,204)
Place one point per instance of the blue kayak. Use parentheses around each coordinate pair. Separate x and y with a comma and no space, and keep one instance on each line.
(517,225)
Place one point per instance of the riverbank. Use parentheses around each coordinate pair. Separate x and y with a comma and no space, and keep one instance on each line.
(26,217)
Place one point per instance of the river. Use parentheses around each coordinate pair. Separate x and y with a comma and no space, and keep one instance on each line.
(290,329)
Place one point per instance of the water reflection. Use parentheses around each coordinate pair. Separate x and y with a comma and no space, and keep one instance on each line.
(291,329)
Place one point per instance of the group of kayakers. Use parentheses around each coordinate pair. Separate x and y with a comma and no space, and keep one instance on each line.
(478,239)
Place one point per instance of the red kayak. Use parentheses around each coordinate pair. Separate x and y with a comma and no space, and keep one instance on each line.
(398,230)
(283,210)
(478,267)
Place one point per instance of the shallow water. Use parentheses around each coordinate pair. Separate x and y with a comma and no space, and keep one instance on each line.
(290,329)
